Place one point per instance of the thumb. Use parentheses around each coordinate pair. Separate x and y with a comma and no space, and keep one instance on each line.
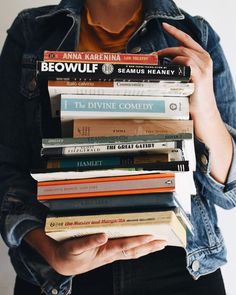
(79,245)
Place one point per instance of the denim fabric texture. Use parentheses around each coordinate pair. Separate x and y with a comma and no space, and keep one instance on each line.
(25,117)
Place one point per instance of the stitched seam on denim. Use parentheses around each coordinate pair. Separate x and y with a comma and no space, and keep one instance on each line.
(211,250)
(208,227)
(204,30)
(232,196)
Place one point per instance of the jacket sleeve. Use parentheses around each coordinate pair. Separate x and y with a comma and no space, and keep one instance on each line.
(20,211)
(222,195)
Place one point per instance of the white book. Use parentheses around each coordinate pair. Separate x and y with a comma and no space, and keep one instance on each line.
(109,148)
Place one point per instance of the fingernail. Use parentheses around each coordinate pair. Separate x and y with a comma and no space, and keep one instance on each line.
(150,238)
(101,239)
(166,24)
(162,244)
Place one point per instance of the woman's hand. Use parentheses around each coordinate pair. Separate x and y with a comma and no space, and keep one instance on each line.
(208,125)
(80,255)
(190,53)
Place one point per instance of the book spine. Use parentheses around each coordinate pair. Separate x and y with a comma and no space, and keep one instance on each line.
(86,106)
(83,149)
(100,57)
(161,166)
(160,200)
(106,161)
(50,142)
(164,225)
(108,72)
(130,161)
(102,188)
(119,88)
(120,128)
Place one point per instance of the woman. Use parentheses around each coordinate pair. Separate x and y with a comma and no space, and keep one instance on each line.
(100,265)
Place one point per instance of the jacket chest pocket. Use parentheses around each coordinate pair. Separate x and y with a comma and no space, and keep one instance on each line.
(29,83)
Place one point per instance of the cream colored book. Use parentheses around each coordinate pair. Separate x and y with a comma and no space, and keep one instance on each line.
(163,129)
(163,224)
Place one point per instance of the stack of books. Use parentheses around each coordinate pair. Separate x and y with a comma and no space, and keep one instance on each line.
(125,159)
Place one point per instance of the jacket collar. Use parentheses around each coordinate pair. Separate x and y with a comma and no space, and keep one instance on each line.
(152,9)
(162,9)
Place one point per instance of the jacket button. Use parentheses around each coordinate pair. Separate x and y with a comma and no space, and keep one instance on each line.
(143,31)
(204,160)
(32,85)
(54,292)
(136,49)
(195,265)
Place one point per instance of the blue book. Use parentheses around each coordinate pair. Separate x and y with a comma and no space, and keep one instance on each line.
(111,203)
(123,107)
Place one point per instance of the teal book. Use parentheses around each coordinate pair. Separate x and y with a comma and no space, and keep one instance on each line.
(123,107)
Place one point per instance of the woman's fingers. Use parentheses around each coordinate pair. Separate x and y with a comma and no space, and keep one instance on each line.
(142,250)
(190,55)
(80,245)
(117,245)
(182,37)
(130,247)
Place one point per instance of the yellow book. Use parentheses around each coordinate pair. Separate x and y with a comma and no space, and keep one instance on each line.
(162,224)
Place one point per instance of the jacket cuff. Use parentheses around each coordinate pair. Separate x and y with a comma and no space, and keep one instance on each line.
(223,195)
(16,227)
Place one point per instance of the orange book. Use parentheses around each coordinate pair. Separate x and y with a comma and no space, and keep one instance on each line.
(106,186)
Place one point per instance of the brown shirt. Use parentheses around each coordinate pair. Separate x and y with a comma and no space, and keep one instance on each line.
(96,38)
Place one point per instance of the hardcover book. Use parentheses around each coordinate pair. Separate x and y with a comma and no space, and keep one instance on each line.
(104,204)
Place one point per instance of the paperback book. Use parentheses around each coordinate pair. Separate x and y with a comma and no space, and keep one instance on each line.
(163,225)
(112,71)
(122,107)
(100,57)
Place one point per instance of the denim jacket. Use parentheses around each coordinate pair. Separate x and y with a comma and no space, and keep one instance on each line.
(25,118)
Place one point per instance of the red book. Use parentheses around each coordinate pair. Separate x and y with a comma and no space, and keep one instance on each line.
(100,57)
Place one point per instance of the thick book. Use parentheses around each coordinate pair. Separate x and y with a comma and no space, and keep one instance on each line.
(164,225)
(110,148)
(100,57)
(162,129)
(112,71)
(162,88)
(122,107)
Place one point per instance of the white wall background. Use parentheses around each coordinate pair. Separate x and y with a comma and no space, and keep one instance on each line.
(221,15)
